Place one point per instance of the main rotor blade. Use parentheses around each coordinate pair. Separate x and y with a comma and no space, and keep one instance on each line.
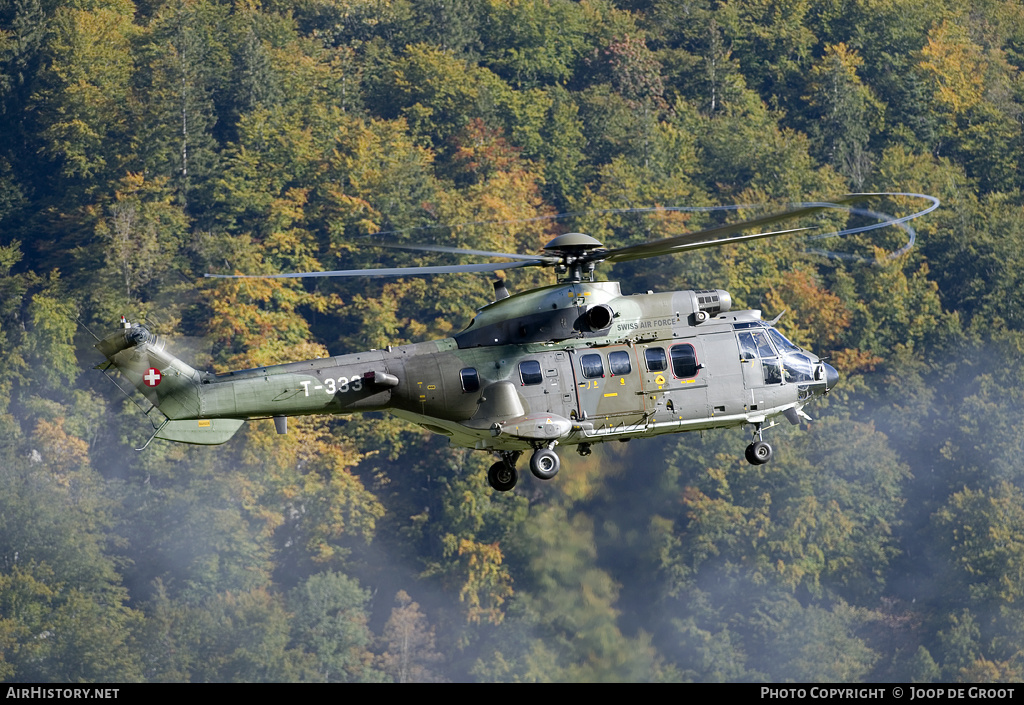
(714,236)
(708,243)
(461,251)
(389,272)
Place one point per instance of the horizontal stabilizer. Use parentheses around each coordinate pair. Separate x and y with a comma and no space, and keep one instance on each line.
(203,432)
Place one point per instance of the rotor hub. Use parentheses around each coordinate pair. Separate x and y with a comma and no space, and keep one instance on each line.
(579,254)
(573,243)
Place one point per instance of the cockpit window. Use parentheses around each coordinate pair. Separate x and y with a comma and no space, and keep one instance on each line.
(772,371)
(470,380)
(755,343)
(592,366)
(618,363)
(748,349)
(529,372)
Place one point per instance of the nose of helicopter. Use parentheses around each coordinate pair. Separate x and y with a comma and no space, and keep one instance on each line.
(831,376)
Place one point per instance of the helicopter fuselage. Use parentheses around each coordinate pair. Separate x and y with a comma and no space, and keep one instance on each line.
(569,364)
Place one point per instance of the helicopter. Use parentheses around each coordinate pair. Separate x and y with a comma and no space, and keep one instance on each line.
(574,363)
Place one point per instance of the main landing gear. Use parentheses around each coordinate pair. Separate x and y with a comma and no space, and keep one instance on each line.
(502,476)
(758,452)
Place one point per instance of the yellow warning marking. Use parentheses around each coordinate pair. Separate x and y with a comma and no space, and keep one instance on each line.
(613,394)
(659,380)
(204,423)
(431,386)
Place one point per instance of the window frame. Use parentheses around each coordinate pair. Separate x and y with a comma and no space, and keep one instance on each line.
(663,361)
(533,381)
(476,380)
(620,354)
(693,353)
(590,374)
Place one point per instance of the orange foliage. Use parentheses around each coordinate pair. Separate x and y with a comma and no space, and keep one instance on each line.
(65,453)
(817,319)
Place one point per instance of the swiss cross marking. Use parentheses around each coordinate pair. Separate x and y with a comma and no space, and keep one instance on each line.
(152,377)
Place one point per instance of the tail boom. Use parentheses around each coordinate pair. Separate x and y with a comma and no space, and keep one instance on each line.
(207,409)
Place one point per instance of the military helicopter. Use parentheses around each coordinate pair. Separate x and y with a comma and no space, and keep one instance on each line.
(570,364)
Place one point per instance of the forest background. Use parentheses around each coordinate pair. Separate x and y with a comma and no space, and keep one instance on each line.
(145,144)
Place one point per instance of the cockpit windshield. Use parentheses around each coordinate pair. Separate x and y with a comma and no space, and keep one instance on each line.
(781,360)
(782,342)
(799,367)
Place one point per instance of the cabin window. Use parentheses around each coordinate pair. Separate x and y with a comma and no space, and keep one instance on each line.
(470,380)
(656,360)
(684,360)
(529,372)
(592,366)
(618,363)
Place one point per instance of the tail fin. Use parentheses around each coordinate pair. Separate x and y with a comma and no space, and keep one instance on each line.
(169,384)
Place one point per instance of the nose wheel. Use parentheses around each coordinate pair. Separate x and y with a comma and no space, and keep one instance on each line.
(759,451)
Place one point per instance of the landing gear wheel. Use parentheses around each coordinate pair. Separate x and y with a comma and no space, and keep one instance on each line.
(544,463)
(502,476)
(758,453)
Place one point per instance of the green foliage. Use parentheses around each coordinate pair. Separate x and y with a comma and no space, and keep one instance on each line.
(805,642)
(147,143)
(575,600)
(84,97)
(184,60)
(13,288)
(845,113)
(529,43)
(984,534)
(331,621)
(54,632)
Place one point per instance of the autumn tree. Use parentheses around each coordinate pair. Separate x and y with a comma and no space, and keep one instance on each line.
(409,654)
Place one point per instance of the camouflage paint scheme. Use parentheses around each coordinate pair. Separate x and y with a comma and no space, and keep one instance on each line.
(564,333)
